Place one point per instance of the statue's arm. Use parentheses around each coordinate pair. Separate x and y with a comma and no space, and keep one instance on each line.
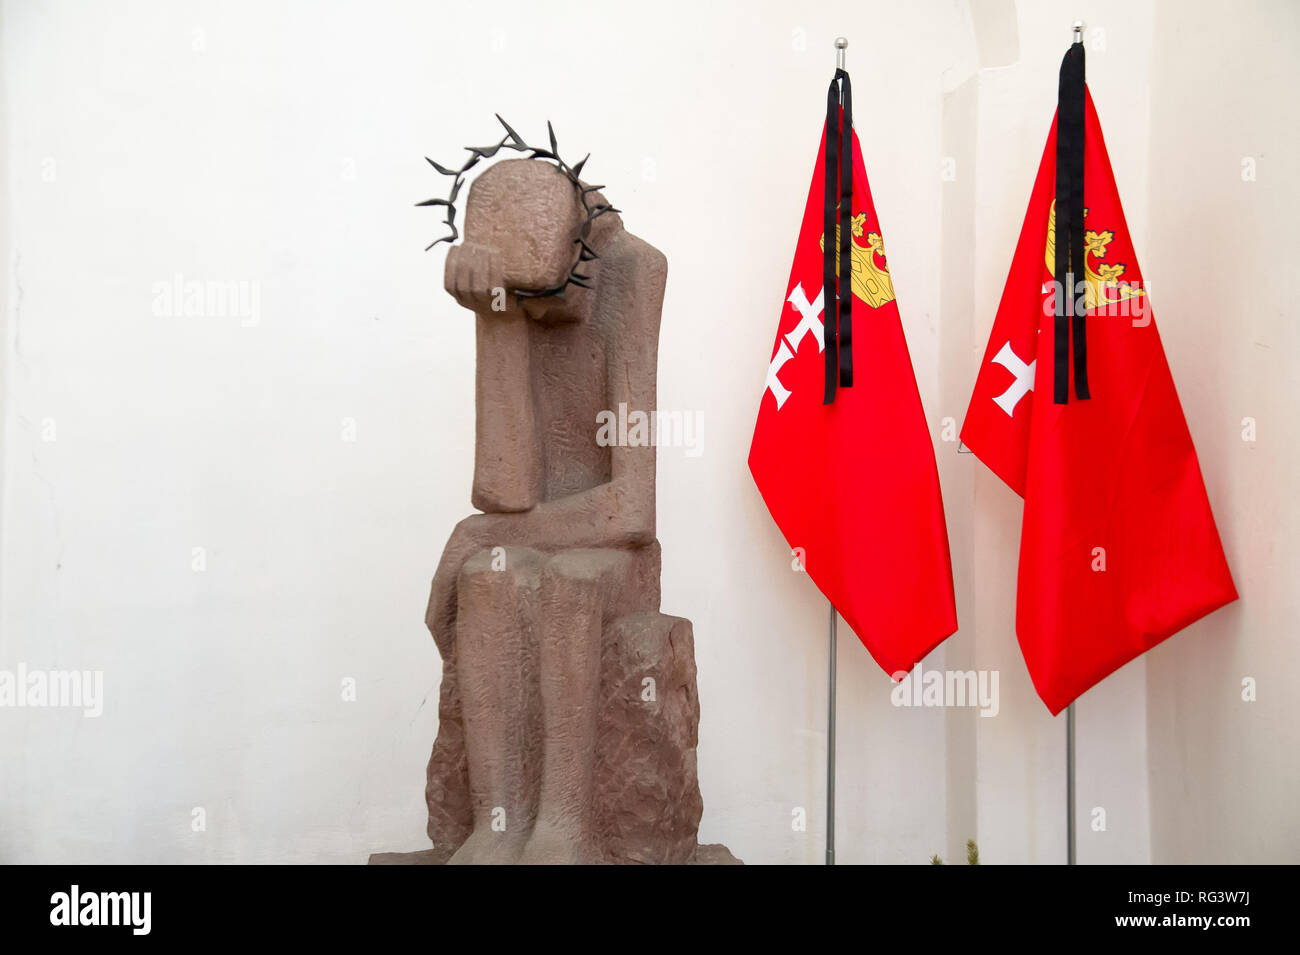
(471,273)
(620,512)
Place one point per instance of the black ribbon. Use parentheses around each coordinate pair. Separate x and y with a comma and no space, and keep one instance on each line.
(1069,266)
(837,312)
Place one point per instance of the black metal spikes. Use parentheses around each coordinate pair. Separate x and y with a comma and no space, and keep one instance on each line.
(512,140)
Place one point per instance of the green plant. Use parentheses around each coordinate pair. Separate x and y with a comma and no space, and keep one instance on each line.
(972,854)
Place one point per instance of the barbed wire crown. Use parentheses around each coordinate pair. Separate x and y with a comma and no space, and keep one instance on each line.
(592,208)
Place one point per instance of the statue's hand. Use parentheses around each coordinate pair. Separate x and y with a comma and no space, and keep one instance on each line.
(475,277)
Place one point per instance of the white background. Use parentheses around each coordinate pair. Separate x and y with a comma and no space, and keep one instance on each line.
(280,145)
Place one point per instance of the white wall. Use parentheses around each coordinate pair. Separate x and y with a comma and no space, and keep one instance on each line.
(1225,772)
(280,146)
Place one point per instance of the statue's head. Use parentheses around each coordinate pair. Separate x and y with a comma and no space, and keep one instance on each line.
(529,213)
(542,223)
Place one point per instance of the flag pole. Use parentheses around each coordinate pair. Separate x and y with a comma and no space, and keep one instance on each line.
(1071,854)
(841,43)
(830,745)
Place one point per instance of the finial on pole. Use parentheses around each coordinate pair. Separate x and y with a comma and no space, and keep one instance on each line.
(1078,30)
(840,44)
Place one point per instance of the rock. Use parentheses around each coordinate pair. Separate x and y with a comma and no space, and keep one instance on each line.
(647,795)
(714,854)
(446,790)
(645,785)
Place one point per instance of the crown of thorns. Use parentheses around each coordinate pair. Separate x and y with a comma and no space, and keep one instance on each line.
(592,208)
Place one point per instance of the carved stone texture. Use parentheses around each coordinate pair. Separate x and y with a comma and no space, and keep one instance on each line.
(446,790)
(647,796)
(568,711)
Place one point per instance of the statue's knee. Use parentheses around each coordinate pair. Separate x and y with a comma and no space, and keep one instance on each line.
(584,578)
(497,579)
(501,566)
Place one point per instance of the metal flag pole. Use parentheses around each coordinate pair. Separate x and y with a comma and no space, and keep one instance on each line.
(1071,856)
(841,43)
(830,746)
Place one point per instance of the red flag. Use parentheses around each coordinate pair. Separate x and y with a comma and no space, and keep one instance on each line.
(852,484)
(1119,549)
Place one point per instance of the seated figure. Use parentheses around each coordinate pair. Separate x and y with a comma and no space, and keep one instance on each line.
(544,606)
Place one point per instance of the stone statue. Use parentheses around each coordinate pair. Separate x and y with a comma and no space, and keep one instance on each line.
(568,709)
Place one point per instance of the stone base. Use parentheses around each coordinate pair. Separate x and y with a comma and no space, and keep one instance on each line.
(645,790)
(712,854)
